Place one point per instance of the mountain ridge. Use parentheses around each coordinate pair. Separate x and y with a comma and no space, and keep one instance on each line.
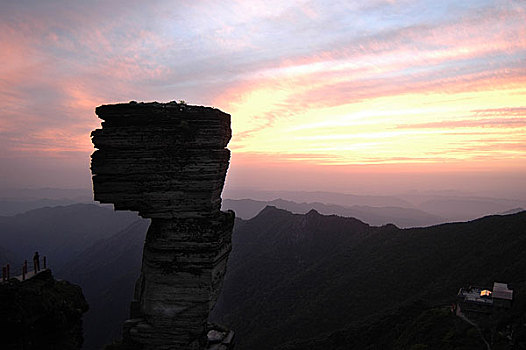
(294,275)
(348,272)
(403,217)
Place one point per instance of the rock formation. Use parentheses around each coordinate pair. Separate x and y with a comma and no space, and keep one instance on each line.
(169,162)
(41,313)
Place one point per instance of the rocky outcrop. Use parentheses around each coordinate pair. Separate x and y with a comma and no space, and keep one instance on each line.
(169,162)
(41,313)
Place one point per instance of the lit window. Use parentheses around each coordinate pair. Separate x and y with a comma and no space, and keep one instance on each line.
(485,293)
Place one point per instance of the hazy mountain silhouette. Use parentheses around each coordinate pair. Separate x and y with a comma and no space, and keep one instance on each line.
(87,244)
(447,205)
(292,276)
(60,233)
(74,194)
(402,217)
(17,201)
(512,211)
(8,256)
(343,199)
(458,208)
(107,272)
(13,207)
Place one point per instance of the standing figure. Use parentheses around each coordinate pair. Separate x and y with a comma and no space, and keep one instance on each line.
(36,262)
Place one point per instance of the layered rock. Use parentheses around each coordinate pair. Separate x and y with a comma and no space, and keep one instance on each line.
(169,162)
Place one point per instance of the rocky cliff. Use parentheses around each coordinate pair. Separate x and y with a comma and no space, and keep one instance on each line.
(169,162)
(41,313)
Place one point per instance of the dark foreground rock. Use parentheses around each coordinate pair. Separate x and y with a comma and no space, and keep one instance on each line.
(169,162)
(41,313)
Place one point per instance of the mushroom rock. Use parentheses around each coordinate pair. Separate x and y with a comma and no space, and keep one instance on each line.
(168,162)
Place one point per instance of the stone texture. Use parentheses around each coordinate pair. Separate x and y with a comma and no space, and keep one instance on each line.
(169,162)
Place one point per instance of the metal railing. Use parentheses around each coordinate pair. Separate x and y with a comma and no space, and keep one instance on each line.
(22,272)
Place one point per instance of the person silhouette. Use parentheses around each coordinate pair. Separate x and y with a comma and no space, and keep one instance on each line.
(36,262)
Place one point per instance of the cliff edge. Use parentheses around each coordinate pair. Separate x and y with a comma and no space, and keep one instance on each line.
(41,313)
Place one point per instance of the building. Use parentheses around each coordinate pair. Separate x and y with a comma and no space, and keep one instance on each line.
(502,295)
(485,301)
(475,299)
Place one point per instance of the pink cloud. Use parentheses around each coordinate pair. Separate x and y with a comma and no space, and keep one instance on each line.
(414,59)
(492,118)
(57,66)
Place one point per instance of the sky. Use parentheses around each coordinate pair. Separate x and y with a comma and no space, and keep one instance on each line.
(353,96)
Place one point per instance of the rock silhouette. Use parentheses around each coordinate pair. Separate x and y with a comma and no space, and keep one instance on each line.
(41,313)
(169,162)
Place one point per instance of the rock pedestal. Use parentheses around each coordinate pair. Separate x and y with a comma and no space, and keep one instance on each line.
(169,162)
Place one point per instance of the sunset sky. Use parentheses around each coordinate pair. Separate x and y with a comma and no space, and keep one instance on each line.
(352,96)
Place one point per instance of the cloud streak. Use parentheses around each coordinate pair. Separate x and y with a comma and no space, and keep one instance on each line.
(305,81)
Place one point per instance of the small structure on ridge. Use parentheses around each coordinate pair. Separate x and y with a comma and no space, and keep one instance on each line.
(485,301)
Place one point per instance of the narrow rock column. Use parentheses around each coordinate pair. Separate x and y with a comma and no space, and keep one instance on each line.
(169,162)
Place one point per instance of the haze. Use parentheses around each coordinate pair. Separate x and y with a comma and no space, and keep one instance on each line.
(358,97)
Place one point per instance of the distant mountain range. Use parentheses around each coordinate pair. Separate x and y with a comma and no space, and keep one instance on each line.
(404,210)
(107,272)
(460,209)
(61,233)
(402,217)
(293,280)
(343,199)
(13,207)
(86,244)
(294,276)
